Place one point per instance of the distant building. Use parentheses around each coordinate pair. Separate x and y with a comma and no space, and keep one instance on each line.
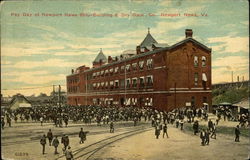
(19,101)
(158,75)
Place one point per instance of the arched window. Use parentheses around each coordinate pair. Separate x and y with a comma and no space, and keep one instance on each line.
(196,61)
(203,61)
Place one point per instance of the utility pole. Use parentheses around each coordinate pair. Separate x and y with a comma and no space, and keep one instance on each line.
(59,96)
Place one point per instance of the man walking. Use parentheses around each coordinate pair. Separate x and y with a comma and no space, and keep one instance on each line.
(65,141)
(43,142)
(196,127)
(82,136)
(237,134)
(68,153)
(207,137)
(202,136)
(50,136)
(55,143)
(213,135)
(112,129)
(165,131)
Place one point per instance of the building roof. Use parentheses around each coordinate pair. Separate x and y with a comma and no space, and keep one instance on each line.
(148,40)
(153,52)
(160,45)
(100,56)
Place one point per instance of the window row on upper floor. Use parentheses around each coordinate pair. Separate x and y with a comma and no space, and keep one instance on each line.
(140,65)
(203,61)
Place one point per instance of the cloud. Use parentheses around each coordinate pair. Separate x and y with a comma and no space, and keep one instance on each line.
(230,44)
(46,63)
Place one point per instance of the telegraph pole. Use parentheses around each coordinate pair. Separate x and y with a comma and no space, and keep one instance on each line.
(59,96)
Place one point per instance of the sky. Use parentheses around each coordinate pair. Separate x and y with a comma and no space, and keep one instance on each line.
(38,51)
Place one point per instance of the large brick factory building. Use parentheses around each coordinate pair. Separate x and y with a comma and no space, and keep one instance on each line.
(158,75)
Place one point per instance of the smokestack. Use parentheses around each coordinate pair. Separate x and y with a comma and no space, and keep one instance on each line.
(238,78)
(189,33)
(242,78)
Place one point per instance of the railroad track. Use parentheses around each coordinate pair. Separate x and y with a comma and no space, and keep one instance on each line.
(89,151)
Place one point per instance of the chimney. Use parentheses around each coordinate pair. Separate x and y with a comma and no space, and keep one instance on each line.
(189,33)
(72,71)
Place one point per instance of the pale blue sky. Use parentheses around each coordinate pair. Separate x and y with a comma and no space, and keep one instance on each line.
(40,51)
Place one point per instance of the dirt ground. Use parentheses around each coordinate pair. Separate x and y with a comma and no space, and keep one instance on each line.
(22,142)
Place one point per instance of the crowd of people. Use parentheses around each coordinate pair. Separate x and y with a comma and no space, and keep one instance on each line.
(60,117)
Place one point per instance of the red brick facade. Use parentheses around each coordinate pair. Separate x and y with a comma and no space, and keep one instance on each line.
(161,77)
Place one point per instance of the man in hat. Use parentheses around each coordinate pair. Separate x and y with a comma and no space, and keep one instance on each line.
(237,133)
(82,136)
(50,136)
(55,143)
(68,153)
(43,142)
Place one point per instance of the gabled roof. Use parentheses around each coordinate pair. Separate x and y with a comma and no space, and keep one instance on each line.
(161,45)
(148,41)
(153,52)
(100,56)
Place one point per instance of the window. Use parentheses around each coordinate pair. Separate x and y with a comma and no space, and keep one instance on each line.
(128,67)
(203,61)
(134,82)
(122,82)
(141,64)
(102,84)
(134,66)
(196,61)
(141,82)
(149,80)
(128,82)
(106,84)
(102,73)
(111,70)
(111,83)
(116,83)
(106,71)
(122,68)
(150,63)
(94,75)
(116,69)
(94,85)
(195,79)
(98,85)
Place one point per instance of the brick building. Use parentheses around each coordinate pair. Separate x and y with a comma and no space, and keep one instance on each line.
(158,75)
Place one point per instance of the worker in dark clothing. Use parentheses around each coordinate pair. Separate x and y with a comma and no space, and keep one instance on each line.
(55,143)
(82,136)
(157,131)
(43,142)
(65,141)
(213,135)
(112,129)
(2,122)
(165,130)
(50,136)
(196,127)
(207,133)
(237,134)
(203,136)
(210,125)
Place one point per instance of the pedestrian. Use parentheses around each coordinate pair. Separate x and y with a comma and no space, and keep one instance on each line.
(55,143)
(82,136)
(202,136)
(41,120)
(9,121)
(65,141)
(68,154)
(43,142)
(181,124)
(210,125)
(165,130)
(157,131)
(207,139)
(196,127)
(213,135)
(112,129)
(237,134)
(50,136)
(135,121)
(177,123)
(2,122)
